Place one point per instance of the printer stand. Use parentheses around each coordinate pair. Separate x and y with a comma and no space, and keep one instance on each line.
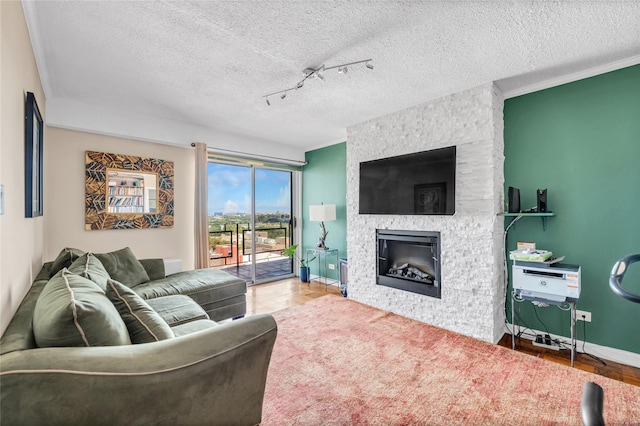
(571,302)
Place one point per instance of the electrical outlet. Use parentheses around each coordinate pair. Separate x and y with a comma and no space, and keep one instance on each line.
(583,316)
(332,266)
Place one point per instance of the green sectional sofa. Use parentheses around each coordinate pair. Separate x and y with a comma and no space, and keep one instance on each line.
(85,348)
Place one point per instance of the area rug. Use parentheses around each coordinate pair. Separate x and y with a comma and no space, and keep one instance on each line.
(339,362)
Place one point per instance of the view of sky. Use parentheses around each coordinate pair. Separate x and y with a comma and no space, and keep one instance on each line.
(230,190)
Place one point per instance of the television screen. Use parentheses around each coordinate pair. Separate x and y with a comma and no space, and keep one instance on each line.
(422,183)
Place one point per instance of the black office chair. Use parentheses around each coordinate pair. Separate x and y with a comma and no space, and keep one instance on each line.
(592,403)
(617,274)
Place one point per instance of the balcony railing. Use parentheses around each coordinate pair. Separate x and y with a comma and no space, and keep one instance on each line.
(234,247)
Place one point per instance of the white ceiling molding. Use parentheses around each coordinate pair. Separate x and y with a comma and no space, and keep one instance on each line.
(30,13)
(569,78)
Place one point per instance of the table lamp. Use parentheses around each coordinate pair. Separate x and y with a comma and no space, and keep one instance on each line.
(322,213)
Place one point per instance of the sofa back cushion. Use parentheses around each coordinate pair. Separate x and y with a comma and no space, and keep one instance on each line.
(88,266)
(64,259)
(154,268)
(74,311)
(123,267)
(143,323)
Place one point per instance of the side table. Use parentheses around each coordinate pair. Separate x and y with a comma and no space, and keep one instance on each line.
(326,258)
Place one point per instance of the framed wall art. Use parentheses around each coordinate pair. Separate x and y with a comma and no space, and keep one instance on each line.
(33,158)
(127,192)
(430,198)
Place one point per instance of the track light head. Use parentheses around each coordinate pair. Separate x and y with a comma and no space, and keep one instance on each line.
(300,84)
(268,103)
(369,65)
(284,95)
(343,70)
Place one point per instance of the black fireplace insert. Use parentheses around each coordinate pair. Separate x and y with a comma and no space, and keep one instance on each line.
(409,260)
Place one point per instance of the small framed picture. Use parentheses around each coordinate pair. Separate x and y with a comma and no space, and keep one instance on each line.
(430,198)
(33,158)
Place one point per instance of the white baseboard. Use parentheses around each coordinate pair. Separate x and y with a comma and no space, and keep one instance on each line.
(604,352)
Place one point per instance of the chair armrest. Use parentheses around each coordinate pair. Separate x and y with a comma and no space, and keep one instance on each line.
(213,376)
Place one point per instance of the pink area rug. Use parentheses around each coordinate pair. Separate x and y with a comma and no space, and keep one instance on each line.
(338,362)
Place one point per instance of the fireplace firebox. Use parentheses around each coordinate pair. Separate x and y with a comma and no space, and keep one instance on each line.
(409,260)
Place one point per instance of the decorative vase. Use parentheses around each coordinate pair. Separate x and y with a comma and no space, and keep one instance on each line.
(304,274)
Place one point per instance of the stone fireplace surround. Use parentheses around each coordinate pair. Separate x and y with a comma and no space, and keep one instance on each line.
(472,300)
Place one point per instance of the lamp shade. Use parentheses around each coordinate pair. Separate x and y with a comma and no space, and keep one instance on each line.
(322,213)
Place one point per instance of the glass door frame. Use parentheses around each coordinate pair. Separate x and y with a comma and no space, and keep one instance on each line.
(295,209)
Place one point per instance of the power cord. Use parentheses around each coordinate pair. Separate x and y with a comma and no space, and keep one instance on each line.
(521,321)
(506,275)
(584,332)
(535,311)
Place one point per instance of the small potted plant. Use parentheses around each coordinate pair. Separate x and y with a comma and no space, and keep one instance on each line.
(304,268)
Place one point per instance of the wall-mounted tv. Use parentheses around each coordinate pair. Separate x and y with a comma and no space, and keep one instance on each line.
(422,183)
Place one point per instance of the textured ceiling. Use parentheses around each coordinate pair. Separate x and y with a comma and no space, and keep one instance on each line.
(208,64)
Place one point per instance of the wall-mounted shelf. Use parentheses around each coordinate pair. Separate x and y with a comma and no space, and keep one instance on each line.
(543,216)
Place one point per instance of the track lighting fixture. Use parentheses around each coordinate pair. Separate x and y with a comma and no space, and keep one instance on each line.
(316,72)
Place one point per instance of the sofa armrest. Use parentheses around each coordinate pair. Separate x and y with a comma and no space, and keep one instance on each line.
(213,376)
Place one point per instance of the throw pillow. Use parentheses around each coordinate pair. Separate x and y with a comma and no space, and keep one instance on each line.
(64,259)
(143,323)
(74,311)
(88,266)
(123,267)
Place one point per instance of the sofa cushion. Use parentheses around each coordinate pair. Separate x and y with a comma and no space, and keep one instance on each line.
(144,324)
(123,267)
(74,311)
(192,327)
(64,259)
(177,309)
(88,266)
(220,294)
(154,268)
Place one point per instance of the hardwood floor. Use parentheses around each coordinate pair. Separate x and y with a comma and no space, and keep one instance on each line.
(278,295)
(613,370)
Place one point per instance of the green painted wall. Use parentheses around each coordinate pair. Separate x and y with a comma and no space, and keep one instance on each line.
(582,142)
(324,180)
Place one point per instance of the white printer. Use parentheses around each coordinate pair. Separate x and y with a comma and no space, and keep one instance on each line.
(556,283)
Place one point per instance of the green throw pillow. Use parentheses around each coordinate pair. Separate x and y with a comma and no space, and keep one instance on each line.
(88,266)
(74,311)
(64,259)
(144,324)
(123,267)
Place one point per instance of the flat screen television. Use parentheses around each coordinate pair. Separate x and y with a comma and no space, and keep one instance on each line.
(422,183)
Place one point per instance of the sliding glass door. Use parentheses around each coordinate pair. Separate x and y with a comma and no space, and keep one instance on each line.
(250,221)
